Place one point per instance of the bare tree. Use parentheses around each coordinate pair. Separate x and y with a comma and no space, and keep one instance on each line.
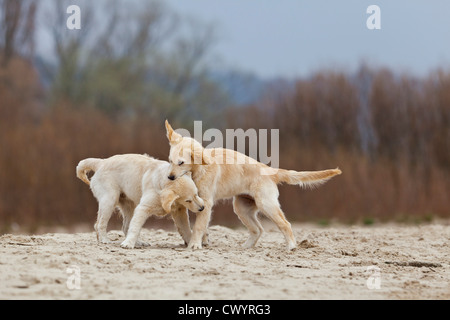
(17,20)
(139,58)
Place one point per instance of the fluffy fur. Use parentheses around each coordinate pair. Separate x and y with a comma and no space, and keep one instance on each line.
(138,184)
(224,173)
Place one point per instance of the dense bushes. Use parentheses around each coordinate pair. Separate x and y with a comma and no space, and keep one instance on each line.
(109,90)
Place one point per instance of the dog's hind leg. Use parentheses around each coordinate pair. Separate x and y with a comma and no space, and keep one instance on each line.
(267,201)
(127,209)
(246,210)
(106,207)
(126,222)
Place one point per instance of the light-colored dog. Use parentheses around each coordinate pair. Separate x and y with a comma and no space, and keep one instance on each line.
(138,184)
(224,173)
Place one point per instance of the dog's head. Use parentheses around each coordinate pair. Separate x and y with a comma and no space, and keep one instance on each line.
(185,153)
(184,192)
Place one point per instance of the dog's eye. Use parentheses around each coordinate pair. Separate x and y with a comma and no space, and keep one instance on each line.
(180,163)
(189,201)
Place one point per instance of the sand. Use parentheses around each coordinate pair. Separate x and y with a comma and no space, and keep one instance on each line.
(338,262)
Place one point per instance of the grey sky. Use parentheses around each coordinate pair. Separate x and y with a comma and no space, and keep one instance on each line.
(295,37)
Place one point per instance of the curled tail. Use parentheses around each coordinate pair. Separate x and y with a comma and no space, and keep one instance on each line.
(305,178)
(86,165)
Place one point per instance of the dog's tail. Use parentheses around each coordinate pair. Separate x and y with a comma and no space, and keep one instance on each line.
(305,179)
(86,165)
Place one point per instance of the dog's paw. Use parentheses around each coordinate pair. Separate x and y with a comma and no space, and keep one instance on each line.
(291,247)
(142,244)
(248,244)
(195,246)
(127,244)
(105,241)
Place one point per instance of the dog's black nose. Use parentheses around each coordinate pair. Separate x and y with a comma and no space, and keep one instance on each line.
(171,177)
(202,208)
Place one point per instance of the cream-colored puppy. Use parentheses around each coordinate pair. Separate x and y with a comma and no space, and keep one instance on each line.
(138,184)
(224,173)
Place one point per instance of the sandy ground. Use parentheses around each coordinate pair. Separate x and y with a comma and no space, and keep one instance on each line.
(337,262)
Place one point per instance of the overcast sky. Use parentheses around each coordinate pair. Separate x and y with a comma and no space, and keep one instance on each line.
(296,37)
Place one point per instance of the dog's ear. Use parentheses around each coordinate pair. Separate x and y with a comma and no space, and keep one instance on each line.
(173,137)
(206,159)
(168,197)
(199,156)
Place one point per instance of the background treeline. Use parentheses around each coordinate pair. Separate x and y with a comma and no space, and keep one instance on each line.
(389,133)
(107,89)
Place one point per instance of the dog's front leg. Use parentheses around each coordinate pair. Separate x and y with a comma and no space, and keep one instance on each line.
(181,219)
(140,216)
(200,227)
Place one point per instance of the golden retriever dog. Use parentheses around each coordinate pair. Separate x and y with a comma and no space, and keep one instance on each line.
(223,173)
(138,184)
